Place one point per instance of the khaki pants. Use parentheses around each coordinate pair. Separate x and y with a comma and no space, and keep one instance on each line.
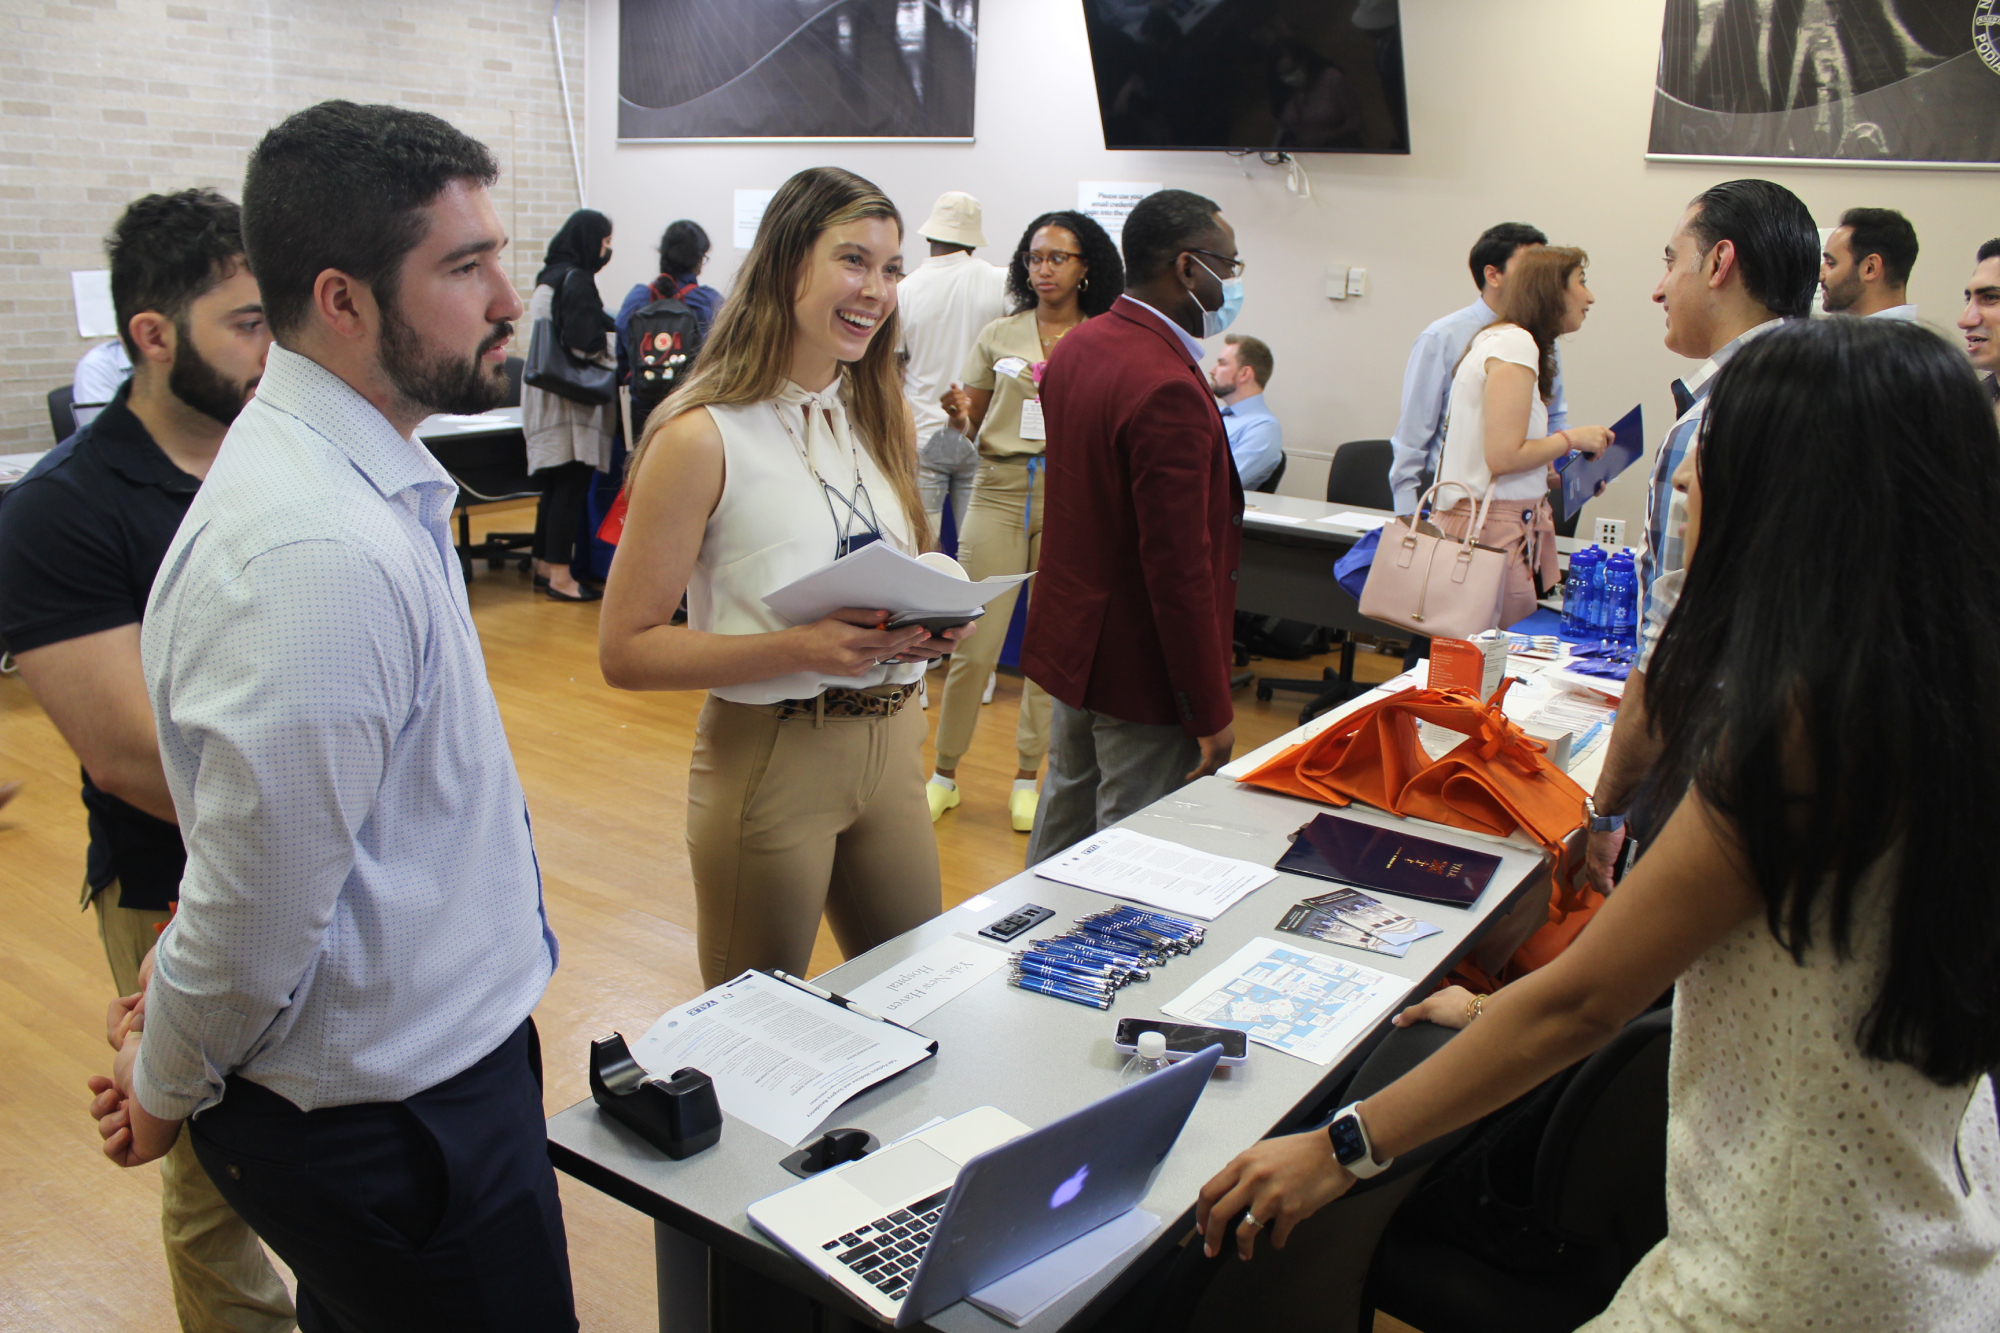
(1001,536)
(222,1278)
(790,819)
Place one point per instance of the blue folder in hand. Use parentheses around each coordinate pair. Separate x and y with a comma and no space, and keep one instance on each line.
(1581,476)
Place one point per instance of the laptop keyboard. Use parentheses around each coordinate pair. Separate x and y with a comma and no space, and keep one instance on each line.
(885,1252)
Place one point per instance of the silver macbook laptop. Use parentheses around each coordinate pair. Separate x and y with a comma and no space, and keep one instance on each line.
(918,1225)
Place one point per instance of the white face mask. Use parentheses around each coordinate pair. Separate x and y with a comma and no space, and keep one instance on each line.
(1215,321)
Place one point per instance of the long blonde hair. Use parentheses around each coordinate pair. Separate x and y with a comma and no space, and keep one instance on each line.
(749,349)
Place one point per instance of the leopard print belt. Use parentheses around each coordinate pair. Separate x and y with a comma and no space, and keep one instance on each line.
(882,701)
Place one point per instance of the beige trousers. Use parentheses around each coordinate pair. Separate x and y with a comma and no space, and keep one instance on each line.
(1002,535)
(790,819)
(222,1279)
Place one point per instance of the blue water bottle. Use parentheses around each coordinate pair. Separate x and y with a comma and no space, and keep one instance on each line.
(1576,593)
(1621,597)
(1592,617)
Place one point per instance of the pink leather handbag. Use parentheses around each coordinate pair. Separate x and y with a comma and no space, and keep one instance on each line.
(1427,583)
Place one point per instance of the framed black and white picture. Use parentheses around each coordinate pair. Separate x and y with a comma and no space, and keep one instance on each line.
(1911,83)
(796,69)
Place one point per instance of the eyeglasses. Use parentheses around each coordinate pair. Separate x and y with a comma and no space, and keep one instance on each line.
(1055,260)
(1236,266)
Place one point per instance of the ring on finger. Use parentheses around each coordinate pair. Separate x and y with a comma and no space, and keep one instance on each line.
(1249,1220)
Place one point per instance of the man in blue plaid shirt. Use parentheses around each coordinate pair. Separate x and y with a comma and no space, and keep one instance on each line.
(1744,256)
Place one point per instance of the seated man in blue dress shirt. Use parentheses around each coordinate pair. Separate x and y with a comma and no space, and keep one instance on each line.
(339,1013)
(1256,440)
(1427,379)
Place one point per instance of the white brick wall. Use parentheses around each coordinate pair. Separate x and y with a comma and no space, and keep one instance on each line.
(105,100)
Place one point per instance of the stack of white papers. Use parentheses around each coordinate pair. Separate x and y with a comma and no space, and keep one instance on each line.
(781,1059)
(878,576)
(1157,873)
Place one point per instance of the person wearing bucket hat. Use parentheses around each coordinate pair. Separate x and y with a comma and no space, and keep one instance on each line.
(944,305)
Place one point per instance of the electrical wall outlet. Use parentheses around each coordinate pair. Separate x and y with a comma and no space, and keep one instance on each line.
(1338,277)
(1611,533)
(1357,282)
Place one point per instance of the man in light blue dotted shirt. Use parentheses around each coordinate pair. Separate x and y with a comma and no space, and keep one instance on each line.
(339,1013)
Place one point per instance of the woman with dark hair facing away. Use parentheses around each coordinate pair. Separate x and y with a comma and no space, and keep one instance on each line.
(1498,439)
(1065,270)
(789,446)
(568,441)
(1823,900)
(683,255)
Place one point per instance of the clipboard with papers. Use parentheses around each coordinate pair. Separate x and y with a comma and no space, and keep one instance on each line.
(783,1053)
(880,576)
(1582,476)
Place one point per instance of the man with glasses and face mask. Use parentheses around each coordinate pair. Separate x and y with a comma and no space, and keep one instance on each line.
(81,539)
(1129,623)
(338,1016)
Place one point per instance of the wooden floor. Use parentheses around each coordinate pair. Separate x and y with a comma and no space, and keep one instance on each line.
(606,778)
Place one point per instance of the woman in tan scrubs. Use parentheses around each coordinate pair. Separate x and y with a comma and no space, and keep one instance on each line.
(1064,271)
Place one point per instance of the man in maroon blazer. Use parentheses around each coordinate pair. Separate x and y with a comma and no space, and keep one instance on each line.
(1129,623)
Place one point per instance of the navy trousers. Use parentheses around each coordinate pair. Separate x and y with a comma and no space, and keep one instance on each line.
(434,1213)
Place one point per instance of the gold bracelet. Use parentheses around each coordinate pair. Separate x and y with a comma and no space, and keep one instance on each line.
(1473,1007)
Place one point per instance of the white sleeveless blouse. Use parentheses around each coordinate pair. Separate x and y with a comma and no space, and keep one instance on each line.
(772,526)
(1809,1187)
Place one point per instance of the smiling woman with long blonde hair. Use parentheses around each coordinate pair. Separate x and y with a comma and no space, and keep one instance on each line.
(789,446)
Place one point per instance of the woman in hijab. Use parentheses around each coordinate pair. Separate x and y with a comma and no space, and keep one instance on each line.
(568,441)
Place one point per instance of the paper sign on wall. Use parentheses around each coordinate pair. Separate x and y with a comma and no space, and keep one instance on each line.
(750,205)
(94,316)
(1107,203)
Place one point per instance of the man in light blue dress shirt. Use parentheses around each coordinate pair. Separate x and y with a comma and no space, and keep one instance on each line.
(339,1013)
(1256,440)
(1435,355)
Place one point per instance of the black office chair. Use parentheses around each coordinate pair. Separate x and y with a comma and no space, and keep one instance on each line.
(498,546)
(1484,1249)
(62,413)
(1358,476)
(1270,486)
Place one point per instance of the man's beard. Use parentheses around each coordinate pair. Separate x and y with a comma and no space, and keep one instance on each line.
(1842,296)
(201,386)
(438,381)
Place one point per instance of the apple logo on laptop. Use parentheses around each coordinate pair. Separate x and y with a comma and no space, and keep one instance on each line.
(1070,1188)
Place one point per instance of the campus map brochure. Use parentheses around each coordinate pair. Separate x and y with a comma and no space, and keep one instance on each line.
(781,1058)
(1302,1003)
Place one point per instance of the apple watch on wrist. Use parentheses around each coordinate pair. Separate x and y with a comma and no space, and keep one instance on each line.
(1601,823)
(1351,1147)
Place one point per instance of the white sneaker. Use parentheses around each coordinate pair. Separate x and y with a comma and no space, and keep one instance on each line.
(992,683)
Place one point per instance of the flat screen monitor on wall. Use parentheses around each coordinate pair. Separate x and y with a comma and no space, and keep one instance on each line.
(1297,76)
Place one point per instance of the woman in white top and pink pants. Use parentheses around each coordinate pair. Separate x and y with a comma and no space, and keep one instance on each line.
(790,445)
(1497,434)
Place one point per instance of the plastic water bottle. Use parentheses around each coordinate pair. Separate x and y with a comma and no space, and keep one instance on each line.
(1621,597)
(1149,1058)
(1583,565)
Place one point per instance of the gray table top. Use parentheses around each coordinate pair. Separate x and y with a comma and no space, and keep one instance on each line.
(1277,514)
(1038,1058)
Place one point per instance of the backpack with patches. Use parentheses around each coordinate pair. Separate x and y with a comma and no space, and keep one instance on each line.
(662,340)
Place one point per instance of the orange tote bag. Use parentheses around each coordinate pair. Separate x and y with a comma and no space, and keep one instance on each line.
(1498,780)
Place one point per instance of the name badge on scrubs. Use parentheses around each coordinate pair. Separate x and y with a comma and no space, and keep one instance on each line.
(1031,420)
(1011,365)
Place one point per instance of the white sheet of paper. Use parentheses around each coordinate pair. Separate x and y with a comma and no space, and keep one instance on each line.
(1109,203)
(1291,999)
(1023,1293)
(781,1059)
(1350,519)
(928,979)
(750,205)
(95,315)
(879,575)
(1263,517)
(1032,425)
(1156,872)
